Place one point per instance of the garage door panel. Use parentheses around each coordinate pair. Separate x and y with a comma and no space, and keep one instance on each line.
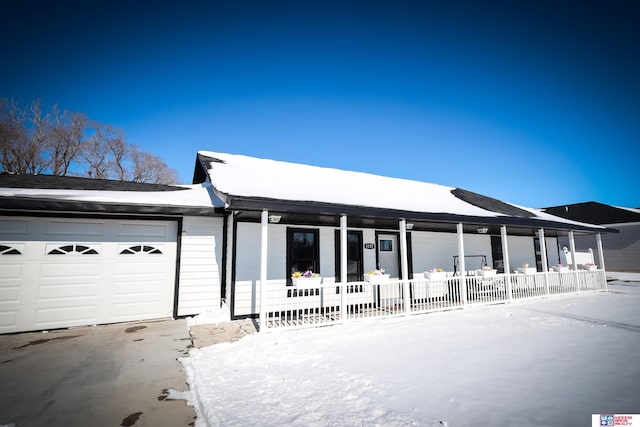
(85,280)
(71,271)
(132,311)
(10,272)
(137,287)
(8,320)
(14,226)
(9,294)
(144,230)
(76,228)
(66,316)
(67,292)
(140,268)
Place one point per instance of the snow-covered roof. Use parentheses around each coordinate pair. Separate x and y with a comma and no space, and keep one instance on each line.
(82,194)
(237,179)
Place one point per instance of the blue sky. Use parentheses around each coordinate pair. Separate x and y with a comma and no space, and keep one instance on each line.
(532,102)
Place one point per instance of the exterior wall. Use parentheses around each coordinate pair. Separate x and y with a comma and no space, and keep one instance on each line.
(369,255)
(436,250)
(553,251)
(247,264)
(621,250)
(200,261)
(429,250)
(521,251)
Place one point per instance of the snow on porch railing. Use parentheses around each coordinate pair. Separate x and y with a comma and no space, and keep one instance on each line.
(292,307)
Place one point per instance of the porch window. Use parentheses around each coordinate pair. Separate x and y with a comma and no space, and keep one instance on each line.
(354,256)
(303,251)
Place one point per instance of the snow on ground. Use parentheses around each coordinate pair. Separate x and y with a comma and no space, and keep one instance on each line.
(219,315)
(549,362)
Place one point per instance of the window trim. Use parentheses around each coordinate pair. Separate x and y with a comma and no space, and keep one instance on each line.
(291,231)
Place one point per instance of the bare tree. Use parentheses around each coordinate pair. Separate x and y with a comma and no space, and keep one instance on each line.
(149,168)
(23,137)
(67,140)
(63,143)
(103,152)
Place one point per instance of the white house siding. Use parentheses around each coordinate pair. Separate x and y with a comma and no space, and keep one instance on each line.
(521,251)
(247,267)
(553,252)
(368,255)
(436,250)
(477,244)
(200,261)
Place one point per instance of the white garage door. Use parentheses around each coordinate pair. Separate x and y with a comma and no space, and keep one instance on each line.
(58,272)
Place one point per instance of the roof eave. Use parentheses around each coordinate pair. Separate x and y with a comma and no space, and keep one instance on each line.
(26,204)
(240,203)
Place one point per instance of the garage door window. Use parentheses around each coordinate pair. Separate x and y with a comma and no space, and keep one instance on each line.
(68,249)
(141,249)
(8,250)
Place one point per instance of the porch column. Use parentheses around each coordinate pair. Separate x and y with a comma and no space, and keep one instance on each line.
(343,268)
(601,259)
(543,257)
(264,228)
(405,266)
(574,263)
(461,267)
(600,251)
(505,261)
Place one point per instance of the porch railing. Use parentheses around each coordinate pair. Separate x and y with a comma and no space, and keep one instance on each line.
(291,307)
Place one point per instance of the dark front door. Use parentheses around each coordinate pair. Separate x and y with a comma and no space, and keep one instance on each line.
(354,256)
(496,253)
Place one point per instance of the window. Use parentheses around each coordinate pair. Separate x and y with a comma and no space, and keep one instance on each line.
(354,256)
(303,251)
(141,249)
(8,250)
(386,245)
(67,249)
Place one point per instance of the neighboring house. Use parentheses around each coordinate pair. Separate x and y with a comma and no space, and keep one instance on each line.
(76,251)
(622,249)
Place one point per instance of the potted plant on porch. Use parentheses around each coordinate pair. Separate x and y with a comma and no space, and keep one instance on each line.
(308,279)
(377,276)
(559,268)
(435,274)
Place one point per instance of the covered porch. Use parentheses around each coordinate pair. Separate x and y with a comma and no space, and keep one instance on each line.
(292,307)
(469,280)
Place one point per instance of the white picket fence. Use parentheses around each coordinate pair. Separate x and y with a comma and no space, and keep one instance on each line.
(291,307)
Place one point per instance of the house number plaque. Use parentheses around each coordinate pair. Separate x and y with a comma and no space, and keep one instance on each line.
(369,246)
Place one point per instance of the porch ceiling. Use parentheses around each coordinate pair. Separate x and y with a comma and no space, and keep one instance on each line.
(297,219)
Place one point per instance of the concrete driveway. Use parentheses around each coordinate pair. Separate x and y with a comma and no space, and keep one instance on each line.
(113,375)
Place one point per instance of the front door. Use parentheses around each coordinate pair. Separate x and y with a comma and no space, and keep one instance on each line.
(389,254)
